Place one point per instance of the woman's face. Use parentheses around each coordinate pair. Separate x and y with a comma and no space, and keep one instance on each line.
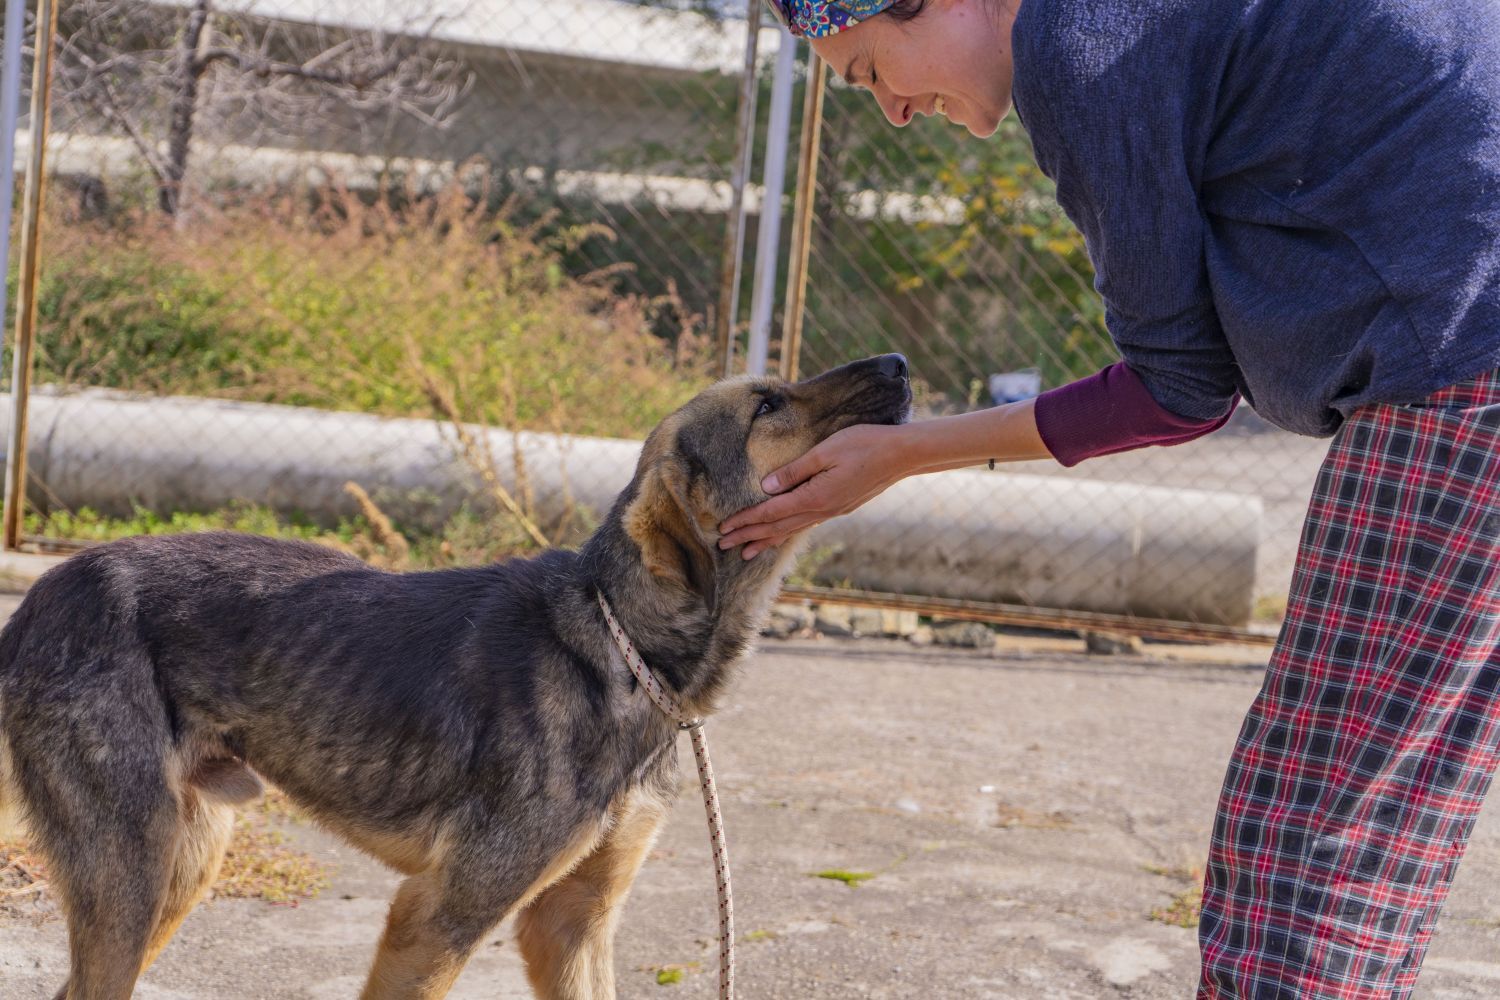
(952,59)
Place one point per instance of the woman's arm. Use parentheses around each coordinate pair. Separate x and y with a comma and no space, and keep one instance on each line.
(861,462)
(1108,412)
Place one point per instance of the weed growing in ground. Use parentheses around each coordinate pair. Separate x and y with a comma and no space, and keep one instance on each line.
(1184,907)
(1183,910)
(852,879)
(86,525)
(671,974)
(22,874)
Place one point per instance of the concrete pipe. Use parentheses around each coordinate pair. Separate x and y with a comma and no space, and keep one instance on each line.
(992,536)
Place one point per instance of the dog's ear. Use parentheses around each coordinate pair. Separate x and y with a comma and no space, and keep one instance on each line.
(662,522)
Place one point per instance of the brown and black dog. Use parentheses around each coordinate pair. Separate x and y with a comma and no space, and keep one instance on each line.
(471,728)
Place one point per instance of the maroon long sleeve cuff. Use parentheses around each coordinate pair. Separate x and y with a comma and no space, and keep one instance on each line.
(1108,412)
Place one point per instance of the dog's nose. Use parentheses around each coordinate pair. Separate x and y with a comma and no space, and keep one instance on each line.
(892,365)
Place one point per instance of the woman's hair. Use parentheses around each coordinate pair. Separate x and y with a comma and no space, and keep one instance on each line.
(905,10)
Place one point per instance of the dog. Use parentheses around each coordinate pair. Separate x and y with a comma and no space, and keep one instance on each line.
(472,728)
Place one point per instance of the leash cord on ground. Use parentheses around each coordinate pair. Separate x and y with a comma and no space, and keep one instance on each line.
(663,700)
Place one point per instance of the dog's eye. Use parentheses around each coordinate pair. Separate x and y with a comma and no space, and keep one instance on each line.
(768,405)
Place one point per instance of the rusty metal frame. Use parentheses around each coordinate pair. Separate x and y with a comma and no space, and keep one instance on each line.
(30,262)
(802,214)
(1029,617)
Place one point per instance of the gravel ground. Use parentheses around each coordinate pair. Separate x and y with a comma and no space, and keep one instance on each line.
(1023,812)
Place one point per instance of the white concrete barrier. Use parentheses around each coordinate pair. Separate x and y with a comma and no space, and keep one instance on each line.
(994,536)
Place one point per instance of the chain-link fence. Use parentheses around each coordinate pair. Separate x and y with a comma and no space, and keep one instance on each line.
(502,214)
(282,236)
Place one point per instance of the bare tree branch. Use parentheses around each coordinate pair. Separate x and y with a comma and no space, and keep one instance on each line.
(103,99)
(112,113)
(171,78)
(263,68)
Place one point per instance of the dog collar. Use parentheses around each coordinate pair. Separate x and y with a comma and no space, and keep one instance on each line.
(655,689)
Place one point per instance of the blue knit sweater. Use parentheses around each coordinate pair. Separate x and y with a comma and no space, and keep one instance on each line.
(1298,200)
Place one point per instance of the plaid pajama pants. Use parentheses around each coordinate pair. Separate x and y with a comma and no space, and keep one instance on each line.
(1363,761)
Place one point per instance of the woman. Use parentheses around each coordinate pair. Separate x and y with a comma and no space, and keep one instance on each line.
(1297,203)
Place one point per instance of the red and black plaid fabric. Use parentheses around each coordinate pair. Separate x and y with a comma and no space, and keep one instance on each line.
(1363,762)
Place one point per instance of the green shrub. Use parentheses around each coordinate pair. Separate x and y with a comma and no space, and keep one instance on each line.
(345,307)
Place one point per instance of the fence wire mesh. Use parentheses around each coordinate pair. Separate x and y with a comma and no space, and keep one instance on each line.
(446,252)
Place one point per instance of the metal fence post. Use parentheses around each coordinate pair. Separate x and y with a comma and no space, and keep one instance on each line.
(734,239)
(807,191)
(10,100)
(31,232)
(768,241)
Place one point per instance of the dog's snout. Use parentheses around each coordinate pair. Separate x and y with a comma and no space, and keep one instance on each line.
(892,365)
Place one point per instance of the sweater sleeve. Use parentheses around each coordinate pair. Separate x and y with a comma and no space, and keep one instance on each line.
(1108,412)
(1113,108)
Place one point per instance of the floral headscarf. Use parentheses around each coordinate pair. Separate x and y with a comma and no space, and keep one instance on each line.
(816,18)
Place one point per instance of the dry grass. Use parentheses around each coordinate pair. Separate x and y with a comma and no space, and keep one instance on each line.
(434,309)
(275,805)
(477,453)
(1184,907)
(393,549)
(259,864)
(21,873)
(1183,910)
(271,302)
(1011,816)
(1269,608)
(24,891)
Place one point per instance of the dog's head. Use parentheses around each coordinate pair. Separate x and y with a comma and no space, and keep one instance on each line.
(707,460)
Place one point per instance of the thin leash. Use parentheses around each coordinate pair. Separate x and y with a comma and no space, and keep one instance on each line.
(663,699)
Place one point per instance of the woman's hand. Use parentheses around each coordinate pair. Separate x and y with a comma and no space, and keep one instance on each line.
(839,474)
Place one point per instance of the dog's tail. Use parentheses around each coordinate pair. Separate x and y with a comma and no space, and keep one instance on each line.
(10,821)
(10,800)
(10,804)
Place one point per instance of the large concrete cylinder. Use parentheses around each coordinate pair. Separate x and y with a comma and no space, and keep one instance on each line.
(1181,554)
(992,536)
